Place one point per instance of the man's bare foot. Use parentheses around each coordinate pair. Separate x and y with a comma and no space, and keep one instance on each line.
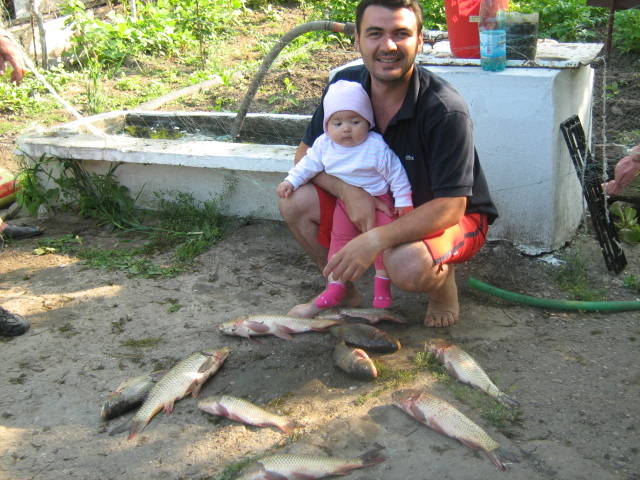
(352,299)
(443,309)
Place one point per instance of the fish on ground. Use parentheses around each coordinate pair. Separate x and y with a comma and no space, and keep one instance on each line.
(444,418)
(243,411)
(307,467)
(354,361)
(370,315)
(129,394)
(463,366)
(186,377)
(281,326)
(366,337)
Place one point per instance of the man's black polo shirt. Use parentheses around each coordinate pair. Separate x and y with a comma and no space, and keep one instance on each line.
(432,134)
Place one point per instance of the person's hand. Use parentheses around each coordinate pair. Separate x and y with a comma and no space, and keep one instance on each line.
(353,260)
(10,53)
(361,207)
(402,211)
(626,170)
(284,189)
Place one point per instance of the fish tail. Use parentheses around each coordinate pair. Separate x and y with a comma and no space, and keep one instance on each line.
(120,428)
(372,457)
(288,427)
(135,428)
(507,401)
(497,461)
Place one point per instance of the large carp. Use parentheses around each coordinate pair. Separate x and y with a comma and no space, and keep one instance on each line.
(243,411)
(307,467)
(186,377)
(444,418)
(365,337)
(463,366)
(281,326)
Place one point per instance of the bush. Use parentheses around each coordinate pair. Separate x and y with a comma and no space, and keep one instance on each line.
(626,31)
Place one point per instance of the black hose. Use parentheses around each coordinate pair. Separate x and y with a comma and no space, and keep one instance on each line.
(346,28)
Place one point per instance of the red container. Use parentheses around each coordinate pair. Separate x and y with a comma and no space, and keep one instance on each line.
(463,34)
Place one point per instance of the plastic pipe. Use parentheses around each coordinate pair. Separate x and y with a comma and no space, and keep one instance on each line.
(346,28)
(554,304)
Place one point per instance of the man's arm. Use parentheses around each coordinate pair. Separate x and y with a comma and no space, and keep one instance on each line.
(357,256)
(10,53)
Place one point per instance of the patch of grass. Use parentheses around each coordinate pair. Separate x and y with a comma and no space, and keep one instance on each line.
(573,279)
(388,379)
(141,342)
(231,471)
(181,223)
(174,306)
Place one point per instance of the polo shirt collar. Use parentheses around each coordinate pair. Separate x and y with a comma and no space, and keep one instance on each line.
(408,108)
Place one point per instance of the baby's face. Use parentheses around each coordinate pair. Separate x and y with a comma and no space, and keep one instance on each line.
(347,128)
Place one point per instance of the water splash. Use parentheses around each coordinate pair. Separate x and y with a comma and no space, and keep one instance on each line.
(67,106)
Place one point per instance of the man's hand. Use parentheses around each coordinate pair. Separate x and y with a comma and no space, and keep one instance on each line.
(361,207)
(10,52)
(625,172)
(353,260)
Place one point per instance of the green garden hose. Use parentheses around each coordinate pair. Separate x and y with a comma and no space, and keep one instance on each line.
(554,304)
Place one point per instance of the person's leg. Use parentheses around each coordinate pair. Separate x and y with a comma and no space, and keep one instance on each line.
(382,283)
(411,268)
(304,213)
(301,212)
(427,266)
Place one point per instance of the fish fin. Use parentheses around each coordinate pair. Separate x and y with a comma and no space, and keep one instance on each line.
(495,458)
(288,427)
(195,388)
(257,326)
(207,364)
(283,332)
(136,427)
(507,401)
(278,476)
(120,428)
(157,375)
(168,407)
(301,476)
(418,414)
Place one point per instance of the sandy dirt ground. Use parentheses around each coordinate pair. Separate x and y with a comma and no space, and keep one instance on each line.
(574,373)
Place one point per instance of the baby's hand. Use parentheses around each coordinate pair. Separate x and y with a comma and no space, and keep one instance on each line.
(402,211)
(284,189)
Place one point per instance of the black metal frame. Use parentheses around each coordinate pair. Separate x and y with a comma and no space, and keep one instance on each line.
(590,176)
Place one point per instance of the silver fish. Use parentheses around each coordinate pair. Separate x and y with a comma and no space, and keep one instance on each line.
(129,394)
(281,326)
(186,377)
(444,418)
(243,411)
(463,366)
(354,361)
(307,467)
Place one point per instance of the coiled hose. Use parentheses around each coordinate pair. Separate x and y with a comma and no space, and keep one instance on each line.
(346,28)
(554,304)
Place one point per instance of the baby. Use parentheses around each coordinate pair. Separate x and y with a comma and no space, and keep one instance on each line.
(350,151)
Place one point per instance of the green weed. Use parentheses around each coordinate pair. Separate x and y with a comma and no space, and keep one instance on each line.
(231,471)
(632,282)
(142,342)
(573,278)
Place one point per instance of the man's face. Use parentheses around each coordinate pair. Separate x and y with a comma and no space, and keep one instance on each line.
(389,42)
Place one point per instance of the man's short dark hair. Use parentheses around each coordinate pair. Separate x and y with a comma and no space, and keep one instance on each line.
(413,5)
